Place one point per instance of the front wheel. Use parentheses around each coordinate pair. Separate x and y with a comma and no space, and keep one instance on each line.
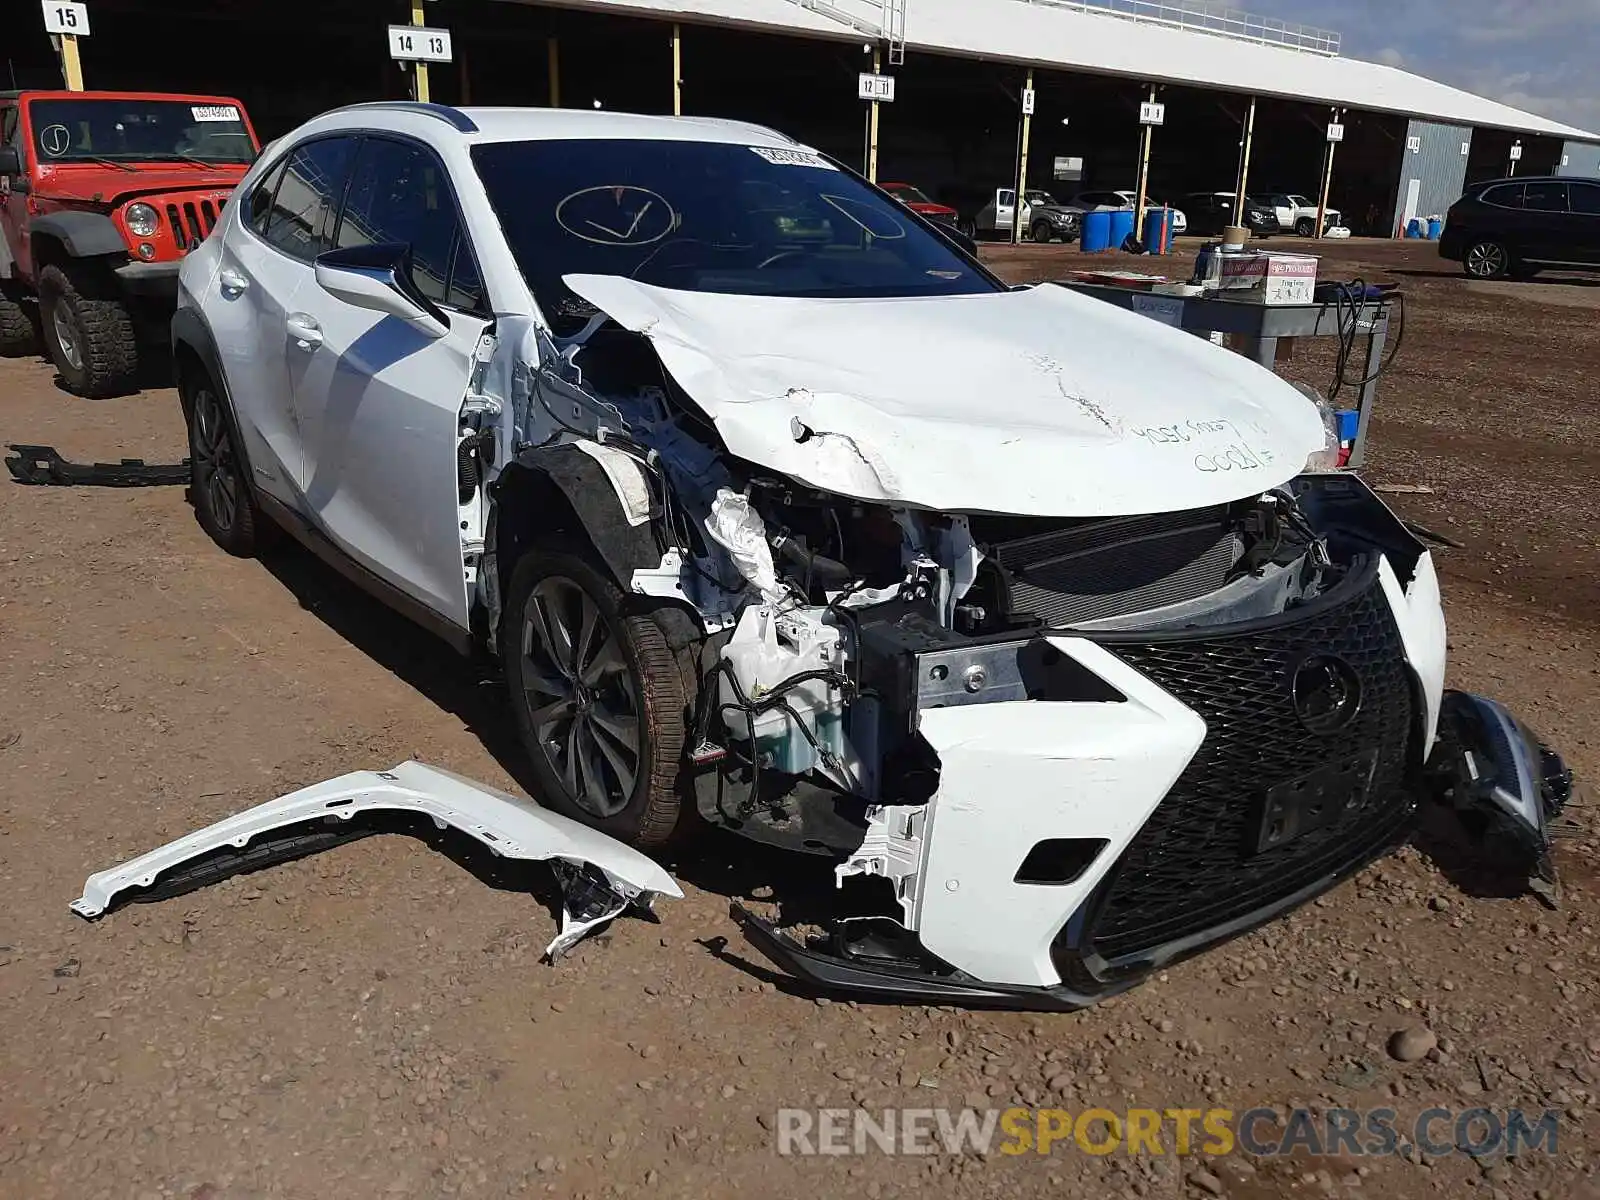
(88,331)
(1042,232)
(598,698)
(1305,227)
(1487,260)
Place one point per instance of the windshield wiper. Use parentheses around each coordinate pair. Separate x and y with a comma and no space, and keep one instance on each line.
(197,161)
(107,162)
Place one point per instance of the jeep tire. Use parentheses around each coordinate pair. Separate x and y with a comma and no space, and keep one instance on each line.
(598,697)
(88,331)
(18,334)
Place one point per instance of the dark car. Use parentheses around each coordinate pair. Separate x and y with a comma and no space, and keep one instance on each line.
(1519,226)
(1212,212)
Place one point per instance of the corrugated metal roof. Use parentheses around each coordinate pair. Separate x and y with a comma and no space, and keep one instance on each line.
(1045,35)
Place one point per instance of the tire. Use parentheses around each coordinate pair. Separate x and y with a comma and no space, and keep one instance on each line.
(219,486)
(1042,232)
(605,738)
(1487,259)
(1305,227)
(19,336)
(88,332)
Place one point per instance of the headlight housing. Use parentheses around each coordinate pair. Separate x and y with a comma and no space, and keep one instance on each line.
(142,220)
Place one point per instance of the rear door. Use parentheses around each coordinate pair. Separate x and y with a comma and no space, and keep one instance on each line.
(282,225)
(1584,200)
(379,401)
(1005,209)
(1548,226)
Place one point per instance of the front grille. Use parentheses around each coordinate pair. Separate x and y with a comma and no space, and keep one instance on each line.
(1196,866)
(190,222)
(1097,569)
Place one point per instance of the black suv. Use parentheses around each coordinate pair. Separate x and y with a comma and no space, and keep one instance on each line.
(1212,212)
(1518,226)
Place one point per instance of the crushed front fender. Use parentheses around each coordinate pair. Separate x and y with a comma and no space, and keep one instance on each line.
(599,876)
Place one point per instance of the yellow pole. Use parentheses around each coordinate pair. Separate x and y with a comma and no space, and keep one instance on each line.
(1327,181)
(1144,175)
(1244,164)
(71,67)
(677,70)
(1022,169)
(872,136)
(553,56)
(420,69)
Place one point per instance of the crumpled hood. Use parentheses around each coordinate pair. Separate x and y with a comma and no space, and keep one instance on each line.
(1037,402)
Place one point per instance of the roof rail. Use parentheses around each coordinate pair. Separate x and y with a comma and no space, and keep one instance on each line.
(444,112)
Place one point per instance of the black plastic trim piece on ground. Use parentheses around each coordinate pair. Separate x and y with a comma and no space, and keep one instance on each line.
(43,466)
(900,983)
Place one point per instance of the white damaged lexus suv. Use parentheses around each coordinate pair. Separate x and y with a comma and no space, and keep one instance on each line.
(784,515)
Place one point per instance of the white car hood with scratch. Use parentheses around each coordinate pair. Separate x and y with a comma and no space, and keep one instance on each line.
(1036,402)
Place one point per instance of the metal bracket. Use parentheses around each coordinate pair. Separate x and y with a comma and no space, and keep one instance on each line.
(43,466)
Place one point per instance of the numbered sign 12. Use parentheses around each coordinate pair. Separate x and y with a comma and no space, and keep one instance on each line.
(416,43)
(66,16)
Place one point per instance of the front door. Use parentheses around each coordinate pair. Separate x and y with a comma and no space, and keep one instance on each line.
(379,399)
(1548,228)
(1584,200)
(1005,209)
(281,226)
(14,254)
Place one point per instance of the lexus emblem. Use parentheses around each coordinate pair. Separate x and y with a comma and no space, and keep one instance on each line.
(1327,693)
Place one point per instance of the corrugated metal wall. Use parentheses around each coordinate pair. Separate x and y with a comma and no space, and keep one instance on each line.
(1433,169)
(1582,158)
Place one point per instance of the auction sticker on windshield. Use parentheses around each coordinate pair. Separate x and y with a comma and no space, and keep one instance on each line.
(214,112)
(793,158)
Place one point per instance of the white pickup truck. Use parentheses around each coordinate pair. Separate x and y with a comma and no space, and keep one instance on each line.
(1300,214)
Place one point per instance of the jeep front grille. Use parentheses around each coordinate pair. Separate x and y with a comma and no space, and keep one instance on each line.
(190,222)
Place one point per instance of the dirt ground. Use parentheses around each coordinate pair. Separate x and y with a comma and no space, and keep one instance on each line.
(375,1021)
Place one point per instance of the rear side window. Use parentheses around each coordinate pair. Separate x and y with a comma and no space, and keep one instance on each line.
(1505,195)
(1546,196)
(261,200)
(307,197)
(1586,198)
(400,192)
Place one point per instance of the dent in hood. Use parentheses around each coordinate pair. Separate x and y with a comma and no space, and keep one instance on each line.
(1038,402)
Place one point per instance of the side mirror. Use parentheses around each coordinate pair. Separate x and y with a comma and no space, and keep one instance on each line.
(10,161)
(378,277)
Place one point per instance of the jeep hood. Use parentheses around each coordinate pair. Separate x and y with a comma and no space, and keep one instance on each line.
(1031,402)
(95,183)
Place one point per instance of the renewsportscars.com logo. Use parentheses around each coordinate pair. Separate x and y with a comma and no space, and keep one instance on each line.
(1263,1132)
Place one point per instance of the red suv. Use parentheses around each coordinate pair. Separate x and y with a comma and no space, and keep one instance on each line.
(101,196)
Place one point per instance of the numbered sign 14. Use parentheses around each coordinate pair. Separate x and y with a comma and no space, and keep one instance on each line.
(65,16)
(416,43)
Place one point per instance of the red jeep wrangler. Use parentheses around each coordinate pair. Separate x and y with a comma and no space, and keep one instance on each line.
(101,196)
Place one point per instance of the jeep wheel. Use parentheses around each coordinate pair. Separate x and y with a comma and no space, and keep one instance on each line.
(89,333)
(18,335)
(598,698)
(218,487)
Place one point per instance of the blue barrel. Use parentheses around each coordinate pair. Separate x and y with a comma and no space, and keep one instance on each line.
(1415,229)
(1435,229)
(1121,226)
(1158,230)
(1096,232)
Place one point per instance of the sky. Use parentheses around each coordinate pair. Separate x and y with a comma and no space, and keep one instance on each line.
(1537,55)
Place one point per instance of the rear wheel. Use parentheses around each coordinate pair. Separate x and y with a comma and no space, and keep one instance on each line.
(224,504)
(19,335)
(598,698)
(88,331)
(1487,260)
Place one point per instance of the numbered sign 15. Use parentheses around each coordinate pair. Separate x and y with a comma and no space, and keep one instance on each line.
(66,16)
(416,43)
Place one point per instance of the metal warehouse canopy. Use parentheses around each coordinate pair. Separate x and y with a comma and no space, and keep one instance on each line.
(1074,37)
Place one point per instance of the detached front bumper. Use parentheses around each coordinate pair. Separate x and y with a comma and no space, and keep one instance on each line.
(150,280)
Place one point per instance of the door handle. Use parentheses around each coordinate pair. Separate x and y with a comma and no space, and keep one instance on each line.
(234,282)
(305,331)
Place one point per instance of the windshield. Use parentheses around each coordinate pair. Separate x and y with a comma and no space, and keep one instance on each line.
(707,217)
(139,130)
(907,193)
(1040,198)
